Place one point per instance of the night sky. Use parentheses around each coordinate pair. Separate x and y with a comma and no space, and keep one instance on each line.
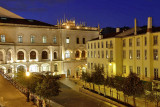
(108,13)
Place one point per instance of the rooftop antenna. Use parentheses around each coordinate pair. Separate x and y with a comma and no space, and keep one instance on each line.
(64,18)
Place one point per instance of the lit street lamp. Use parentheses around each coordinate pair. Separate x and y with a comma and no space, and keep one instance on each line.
(27,74)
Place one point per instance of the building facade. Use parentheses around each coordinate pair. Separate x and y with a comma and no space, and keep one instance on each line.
(31,45)
(135,50)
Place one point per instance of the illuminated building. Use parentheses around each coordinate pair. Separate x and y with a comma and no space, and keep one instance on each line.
(134,50)
(35,46)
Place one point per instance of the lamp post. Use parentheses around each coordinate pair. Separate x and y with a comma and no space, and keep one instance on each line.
(27,74)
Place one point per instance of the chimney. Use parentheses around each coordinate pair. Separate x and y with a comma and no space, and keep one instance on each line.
(117,29)
(135,26)
(149,27)
(100,36)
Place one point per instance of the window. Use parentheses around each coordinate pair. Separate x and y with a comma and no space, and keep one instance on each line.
(130,69)
(102,54)
(145,54)
(138,41)
(88,65)
(32,55)
(44,39)
(55,55)
(1,56)
(155,54)
(124,69)
(84,41)
(145,71)
(94,54)
(98,44)
(130,54)
(20,39)
(111,54)
(138,54)
(54,40)
(91,54)
(145,41)
(44,55)
(98,54)
(77,54)
(130,42)
(83,54)
(124,43)
(88,54)
(106,44)
(8,56)
(2,38)
(91,45)
(67,40)
(94,45)
(32,39)
(124,54)
(106,54)
(102,44)
(138,71)
(88,45)
(55,68)
(77,40)
(155,40)
(67,54)
(20,55)
(155,73)
(111,45)
(91,65)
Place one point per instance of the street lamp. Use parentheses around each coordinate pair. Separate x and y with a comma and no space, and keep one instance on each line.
(27,74)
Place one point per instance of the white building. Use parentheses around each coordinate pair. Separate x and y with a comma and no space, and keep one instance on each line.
(35,46)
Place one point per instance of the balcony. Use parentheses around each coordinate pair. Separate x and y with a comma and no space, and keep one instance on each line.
(109,46)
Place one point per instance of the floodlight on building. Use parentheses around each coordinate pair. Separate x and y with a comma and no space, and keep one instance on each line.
(27,73)
(67,27)
(77,27)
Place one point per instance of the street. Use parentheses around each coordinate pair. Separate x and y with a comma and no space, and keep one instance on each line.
(71,98)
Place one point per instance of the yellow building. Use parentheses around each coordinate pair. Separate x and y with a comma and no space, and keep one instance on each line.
(135,50)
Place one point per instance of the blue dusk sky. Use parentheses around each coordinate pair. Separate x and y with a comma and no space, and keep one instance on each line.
(107,13)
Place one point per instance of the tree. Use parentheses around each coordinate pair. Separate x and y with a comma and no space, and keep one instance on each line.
(154,96)
(48,88)
(110,83)
(84,77)
(133,86)
(88,79)
(98,76)
(118,84)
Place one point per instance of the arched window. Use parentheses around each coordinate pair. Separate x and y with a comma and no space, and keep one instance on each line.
(67,54)
(32,55)
(77,54)
(9,56)
(1,56)
(20,55)
(44,55)
(83,54)
(55,55)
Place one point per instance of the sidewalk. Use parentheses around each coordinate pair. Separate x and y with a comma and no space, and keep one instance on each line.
(11,97)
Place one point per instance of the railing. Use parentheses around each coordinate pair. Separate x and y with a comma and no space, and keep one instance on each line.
(33,98)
